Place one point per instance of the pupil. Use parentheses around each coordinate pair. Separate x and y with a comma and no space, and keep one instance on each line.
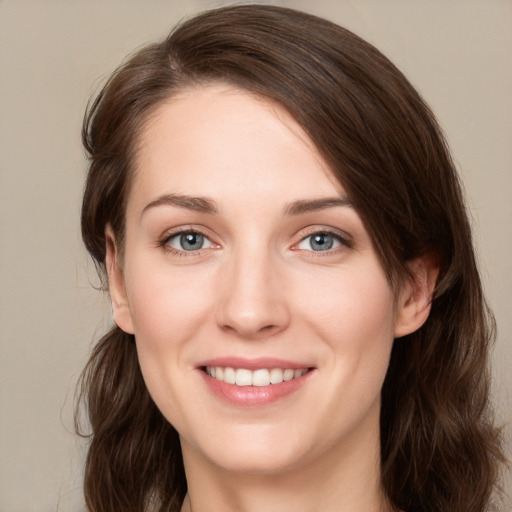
(191,241)
(322,242)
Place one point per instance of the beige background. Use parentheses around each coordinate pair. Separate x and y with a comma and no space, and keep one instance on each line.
(54,54)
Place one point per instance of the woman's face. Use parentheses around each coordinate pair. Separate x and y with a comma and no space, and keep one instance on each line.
(244,257)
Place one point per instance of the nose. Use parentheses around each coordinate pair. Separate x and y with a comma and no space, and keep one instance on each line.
(252,301)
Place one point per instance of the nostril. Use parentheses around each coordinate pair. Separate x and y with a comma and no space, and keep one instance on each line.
(251,332)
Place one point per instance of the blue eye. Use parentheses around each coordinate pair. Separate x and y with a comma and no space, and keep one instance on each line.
(320,242)
(189,241)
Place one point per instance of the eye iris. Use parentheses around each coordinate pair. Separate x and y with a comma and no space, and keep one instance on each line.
(191,241)
(322,242)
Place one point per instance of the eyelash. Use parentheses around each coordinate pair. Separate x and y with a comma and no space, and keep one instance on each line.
(164,242)
(342,241)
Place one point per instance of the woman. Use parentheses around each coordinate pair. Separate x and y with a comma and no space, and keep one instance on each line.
(300,323)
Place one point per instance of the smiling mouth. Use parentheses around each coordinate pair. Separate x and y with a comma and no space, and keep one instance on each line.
(260,377)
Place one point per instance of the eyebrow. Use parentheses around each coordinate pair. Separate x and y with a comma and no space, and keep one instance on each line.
(312,205)
(198,204)
(209,206)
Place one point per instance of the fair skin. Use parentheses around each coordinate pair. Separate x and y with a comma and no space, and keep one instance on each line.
(242,251)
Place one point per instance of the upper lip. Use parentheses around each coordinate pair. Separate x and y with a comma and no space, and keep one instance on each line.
(253,364)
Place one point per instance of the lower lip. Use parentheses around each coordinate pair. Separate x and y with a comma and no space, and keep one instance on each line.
(254,396)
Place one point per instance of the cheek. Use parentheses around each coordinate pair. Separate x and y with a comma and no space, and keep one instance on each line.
(354,316)
(354,306)
(170,309)
(167,306)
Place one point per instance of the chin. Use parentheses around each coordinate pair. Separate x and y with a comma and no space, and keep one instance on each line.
(258,461)
(252,450)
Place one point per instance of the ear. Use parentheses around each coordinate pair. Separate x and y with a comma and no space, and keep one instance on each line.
(415,298)
(120,307)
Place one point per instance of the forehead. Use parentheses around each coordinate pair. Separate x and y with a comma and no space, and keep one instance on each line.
(220,141)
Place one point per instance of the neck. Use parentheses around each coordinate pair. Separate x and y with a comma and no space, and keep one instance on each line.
(343,480)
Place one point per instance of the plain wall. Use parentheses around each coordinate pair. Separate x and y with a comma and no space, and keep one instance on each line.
(54,55)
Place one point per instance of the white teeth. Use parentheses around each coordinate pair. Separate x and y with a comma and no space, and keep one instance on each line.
(288,374)
(243,377)
(261,377)
(276,376)
(229,376)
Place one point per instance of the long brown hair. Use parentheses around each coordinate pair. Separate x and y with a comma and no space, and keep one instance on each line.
(440,449)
